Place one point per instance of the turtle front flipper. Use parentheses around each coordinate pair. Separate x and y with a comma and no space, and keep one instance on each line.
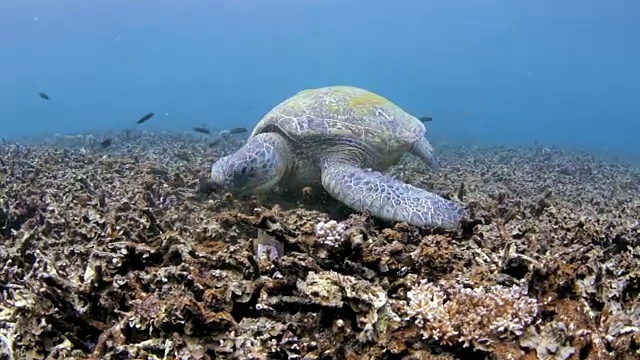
(389,199)
(423,149)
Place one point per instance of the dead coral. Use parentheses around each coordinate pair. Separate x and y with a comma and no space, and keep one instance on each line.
(125,252)
(450,312)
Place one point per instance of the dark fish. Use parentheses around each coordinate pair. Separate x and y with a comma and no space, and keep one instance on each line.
(183,155)
(238,130)
(202,130)
(214,143)
(43,95)
(426,119)
(158,171)
(145,118)
(106,143)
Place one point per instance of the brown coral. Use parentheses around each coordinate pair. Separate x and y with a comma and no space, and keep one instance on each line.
(125,253)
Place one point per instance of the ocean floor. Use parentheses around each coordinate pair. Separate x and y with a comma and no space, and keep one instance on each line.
(121,251)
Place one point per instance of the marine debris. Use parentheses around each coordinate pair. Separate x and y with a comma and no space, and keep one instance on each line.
(124,253)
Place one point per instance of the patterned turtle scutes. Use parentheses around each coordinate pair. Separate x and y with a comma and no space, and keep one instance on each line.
(340,137)
(345,112)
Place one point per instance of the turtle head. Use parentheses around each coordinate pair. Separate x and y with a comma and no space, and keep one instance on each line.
(257,166)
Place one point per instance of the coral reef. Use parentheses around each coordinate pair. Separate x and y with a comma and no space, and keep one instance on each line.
(124,252)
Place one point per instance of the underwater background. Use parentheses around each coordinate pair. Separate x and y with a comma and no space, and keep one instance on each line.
(562,73)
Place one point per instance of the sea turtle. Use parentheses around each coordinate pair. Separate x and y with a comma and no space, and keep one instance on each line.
(339,137)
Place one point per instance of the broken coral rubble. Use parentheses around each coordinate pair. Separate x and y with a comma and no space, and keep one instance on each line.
(120,252)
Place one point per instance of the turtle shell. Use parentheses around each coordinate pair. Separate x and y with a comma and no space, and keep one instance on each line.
(341,114)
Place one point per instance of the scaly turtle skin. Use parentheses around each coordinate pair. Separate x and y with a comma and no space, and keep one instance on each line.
(340,137)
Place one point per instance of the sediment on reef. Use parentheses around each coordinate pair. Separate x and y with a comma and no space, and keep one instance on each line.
(122,253)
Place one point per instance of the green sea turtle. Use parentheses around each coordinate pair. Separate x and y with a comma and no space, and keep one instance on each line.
(339,137)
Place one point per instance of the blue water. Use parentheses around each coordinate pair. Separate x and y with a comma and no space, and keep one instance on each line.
(560,72)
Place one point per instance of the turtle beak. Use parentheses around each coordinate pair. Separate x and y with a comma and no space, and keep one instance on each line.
(219,171)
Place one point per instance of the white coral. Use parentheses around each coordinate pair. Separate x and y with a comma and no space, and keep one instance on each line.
(450,313)
(330,233)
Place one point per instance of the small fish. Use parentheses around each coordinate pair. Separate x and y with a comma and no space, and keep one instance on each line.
(158,171)
(106,143)
(202,130)
(183,155)
(426,119)
(214,143)
(145,118)
(43,95)
(238,130)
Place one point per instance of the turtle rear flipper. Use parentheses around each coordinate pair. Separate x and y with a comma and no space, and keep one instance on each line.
(389,199)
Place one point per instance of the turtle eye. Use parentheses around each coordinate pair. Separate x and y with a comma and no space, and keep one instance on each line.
(244,170)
